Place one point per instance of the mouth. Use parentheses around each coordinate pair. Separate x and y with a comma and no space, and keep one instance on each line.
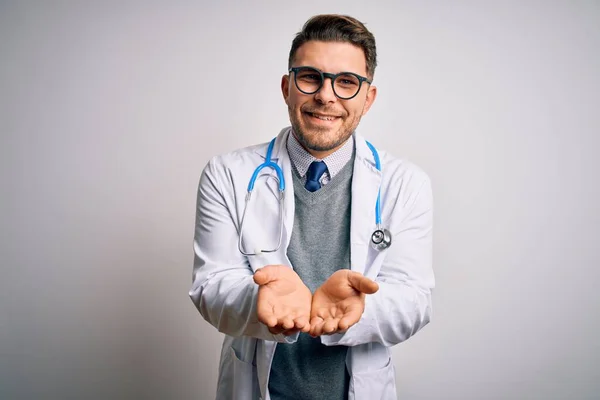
(322,117)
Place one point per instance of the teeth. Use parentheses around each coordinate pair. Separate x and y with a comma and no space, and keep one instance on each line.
(324,118)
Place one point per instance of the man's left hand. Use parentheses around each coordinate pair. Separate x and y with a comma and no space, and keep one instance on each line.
(339,302)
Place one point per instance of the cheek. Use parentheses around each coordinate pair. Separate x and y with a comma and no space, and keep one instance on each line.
(294,102)
(354,112)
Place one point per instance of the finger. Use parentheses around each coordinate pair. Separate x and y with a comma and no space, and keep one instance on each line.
(266,274)
(302,324)
(286,322)
(330,326)
(290,332)
(362,283)
(316,326)
(347,321)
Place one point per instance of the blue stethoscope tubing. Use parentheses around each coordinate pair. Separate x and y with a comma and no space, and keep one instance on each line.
(380,239)
(378,166)
(271,164)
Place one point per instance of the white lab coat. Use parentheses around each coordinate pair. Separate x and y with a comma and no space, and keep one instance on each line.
(225,294)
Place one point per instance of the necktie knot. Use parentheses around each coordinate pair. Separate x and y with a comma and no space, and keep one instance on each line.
(314,173)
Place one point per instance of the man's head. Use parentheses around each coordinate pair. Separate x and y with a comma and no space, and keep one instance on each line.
(323,115)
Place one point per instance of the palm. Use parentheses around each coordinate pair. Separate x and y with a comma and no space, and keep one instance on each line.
(339,302)
(284,297)
(283,302)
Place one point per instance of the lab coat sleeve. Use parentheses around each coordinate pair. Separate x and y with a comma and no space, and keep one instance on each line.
(223,289)
(402,306)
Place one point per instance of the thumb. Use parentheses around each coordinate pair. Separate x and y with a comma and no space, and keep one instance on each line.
(361,283)
(266,275)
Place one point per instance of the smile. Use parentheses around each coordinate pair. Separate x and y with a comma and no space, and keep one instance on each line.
(323,117)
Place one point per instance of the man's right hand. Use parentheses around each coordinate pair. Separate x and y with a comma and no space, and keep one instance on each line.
(284,301)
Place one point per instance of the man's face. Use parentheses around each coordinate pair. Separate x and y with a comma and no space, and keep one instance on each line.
(321,121)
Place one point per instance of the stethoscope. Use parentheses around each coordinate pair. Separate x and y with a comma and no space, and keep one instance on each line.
(380,239)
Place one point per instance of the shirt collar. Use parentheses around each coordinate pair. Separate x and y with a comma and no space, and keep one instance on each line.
(301,159)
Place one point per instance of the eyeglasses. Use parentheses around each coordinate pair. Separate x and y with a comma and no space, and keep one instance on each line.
(309,80)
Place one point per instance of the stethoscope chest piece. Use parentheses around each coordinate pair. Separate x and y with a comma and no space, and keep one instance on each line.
(381,239)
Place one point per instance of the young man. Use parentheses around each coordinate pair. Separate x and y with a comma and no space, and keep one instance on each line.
(310,288)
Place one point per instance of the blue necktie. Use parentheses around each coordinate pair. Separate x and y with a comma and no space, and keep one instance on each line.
(315,171)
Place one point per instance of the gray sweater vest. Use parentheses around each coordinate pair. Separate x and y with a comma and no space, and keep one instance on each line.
(319,246)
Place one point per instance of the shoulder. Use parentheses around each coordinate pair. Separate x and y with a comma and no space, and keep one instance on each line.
(396,171)
(244,160)
(402,169)
(239,159)
(406,187)
(240,155)
(226,171)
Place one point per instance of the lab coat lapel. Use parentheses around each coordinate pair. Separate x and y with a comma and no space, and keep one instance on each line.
(366,180)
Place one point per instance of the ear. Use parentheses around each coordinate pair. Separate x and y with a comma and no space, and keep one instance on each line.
(285,87)
(371,95)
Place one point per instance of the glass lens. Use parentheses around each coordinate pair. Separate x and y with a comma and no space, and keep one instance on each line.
(308,80)
(346,85)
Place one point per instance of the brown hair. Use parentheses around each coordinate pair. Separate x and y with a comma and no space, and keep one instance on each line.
(337,28)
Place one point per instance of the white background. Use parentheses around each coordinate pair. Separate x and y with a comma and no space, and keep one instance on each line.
(109,110)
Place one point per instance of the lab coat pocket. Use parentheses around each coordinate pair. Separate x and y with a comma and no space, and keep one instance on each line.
(376,384)
(245,381)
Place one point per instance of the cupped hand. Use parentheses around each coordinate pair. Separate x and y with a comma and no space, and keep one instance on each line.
(284,301)
(339,302)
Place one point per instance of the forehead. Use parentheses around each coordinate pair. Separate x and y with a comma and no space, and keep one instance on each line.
(332,57)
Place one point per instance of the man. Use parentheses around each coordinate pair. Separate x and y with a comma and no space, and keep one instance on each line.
(315,316)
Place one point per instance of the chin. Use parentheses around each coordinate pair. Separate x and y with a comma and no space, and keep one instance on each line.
(320,146)
(313,142)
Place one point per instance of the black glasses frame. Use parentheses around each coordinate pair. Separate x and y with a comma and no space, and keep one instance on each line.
(331,76)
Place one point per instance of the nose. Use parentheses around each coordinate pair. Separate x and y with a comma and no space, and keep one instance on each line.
(326,94)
